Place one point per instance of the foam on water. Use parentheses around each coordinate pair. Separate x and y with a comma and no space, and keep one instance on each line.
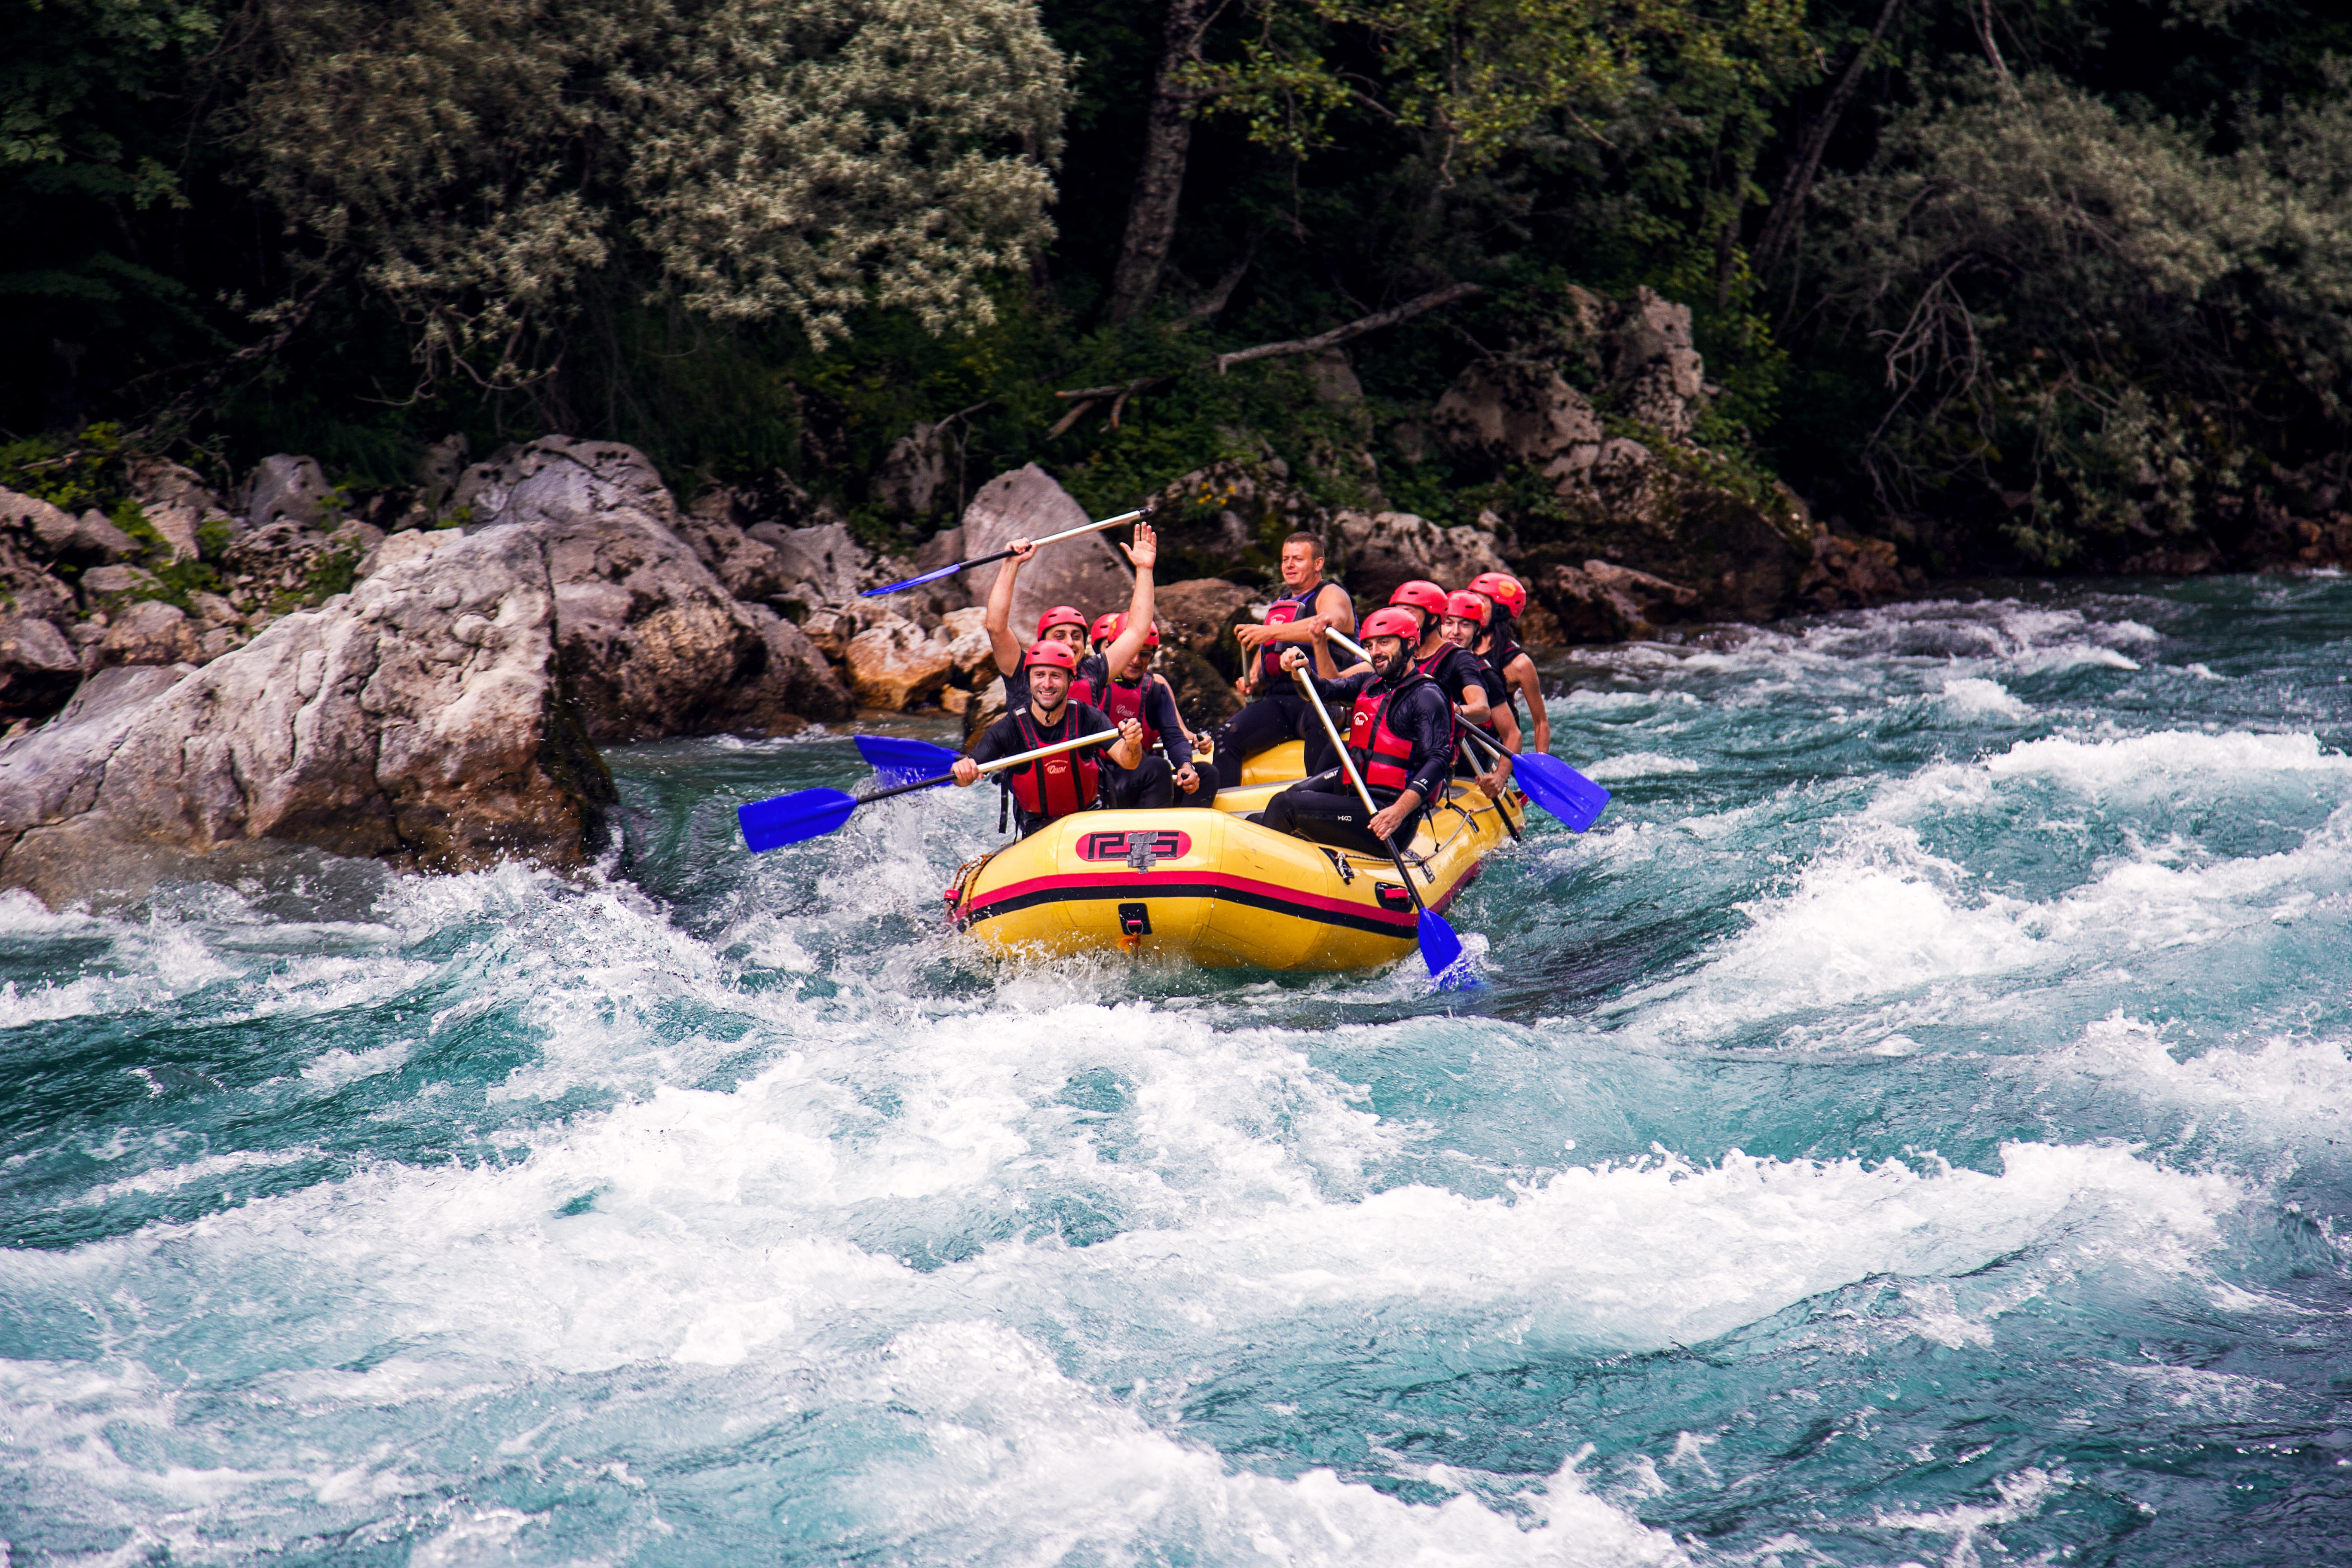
(1903,1130)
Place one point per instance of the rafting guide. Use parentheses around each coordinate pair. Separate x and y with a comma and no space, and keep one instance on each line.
(1306,606)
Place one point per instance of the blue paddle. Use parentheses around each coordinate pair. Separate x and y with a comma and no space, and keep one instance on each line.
(1440,950)
(900,760)
(812,813)
(1554,786)
(1549,781)
(1003,554)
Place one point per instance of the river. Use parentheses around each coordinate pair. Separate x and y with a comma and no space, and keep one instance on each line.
(1912,1127)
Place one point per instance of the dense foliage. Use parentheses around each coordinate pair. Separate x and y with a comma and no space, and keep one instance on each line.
(2050,282)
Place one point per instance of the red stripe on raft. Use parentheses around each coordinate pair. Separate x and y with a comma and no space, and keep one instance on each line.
(1140,884)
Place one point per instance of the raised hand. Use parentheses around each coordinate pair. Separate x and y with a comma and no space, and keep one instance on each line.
(1023,550)
(1144,554)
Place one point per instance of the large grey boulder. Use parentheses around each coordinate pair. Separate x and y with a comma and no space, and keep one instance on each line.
(417,721)
(1027,504)
(177,503)
(1498,412)
(652,644)
(39,667)
(824,559)
(748,568)
(1387,548)
(1660,378)
(288,488)
(798,673)
(56,534)
(1199,617)
(149,631)
(913,473)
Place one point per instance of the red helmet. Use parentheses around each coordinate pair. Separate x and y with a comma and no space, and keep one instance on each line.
(1391,623)
(1422,594)
(1503,589)
(1044,650)
(1118,624)
(1106,626)
(1466,605)
(1060,615)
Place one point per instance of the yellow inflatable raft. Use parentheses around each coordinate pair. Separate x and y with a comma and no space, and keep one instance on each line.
(1221,892)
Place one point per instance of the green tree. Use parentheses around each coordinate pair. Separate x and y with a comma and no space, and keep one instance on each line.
(474,162)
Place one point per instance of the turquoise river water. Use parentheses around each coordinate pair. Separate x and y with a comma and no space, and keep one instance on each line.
(1911,1128)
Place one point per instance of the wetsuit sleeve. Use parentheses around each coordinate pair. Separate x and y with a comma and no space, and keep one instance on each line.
(1160,712)
(1472,671)
(1001,739)
(1430,724)
(1344,689)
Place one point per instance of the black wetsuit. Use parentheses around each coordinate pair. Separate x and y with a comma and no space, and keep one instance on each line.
(1152,784)
(1324,807)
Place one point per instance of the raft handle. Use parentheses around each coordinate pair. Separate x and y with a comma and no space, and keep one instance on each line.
(1134,921)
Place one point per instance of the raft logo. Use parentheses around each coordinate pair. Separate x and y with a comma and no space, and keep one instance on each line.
(1162,844)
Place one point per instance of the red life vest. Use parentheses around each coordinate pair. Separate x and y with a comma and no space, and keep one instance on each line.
(1125,702)
(1083,683)
(1381,755)
(1055,786)
(1281,613)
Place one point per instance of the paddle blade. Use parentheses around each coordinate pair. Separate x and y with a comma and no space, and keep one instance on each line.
(915,582)
(1440,949)
(792,819)
(1559,789)
(901,760)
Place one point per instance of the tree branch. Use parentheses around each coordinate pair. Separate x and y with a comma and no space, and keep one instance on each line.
(1789,206)
(1082,398)
(1355,329)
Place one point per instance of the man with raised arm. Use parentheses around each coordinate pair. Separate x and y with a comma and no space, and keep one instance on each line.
(1066,624)
(1275,713)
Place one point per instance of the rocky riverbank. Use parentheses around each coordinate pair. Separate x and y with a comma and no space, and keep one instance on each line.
(200,680)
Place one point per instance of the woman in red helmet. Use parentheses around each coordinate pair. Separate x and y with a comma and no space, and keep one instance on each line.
(1399,735)
(1065,624)
(1500,648)
(1051,787)
(1172,777)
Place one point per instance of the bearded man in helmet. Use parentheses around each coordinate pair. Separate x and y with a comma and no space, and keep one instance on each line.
(1400,734)
(1049,788)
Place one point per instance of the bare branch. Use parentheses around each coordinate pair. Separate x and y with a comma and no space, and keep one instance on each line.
(1356,329)
(1085,397)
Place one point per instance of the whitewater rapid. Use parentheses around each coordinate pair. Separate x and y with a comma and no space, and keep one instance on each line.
(1912,1127)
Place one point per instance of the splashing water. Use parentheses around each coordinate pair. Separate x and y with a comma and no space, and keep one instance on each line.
(1912,1128)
